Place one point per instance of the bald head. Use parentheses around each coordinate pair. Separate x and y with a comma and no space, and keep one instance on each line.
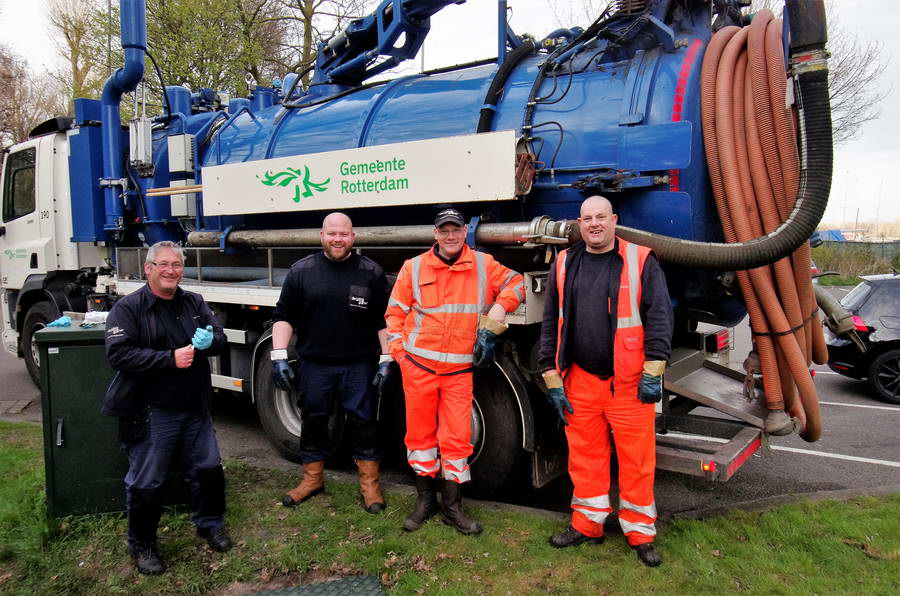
(337,236)
(597,224)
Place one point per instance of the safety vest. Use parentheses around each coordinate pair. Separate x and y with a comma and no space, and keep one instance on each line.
(434,307)
(628,341)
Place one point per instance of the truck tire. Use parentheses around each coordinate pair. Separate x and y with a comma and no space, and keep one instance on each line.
(496,434)
(280,413)
(36,319)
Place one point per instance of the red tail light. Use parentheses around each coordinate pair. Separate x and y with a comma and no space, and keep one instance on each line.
(859,324)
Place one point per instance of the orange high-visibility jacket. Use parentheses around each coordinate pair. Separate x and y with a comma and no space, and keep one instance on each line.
(433,311)
(628,341)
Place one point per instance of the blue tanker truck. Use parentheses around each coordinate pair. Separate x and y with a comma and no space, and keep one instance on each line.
(515,142)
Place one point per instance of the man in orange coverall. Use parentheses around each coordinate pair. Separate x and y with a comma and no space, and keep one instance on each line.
(437,332)
(607,331)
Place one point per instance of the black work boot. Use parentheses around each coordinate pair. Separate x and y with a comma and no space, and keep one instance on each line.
(648,554)
(426,504)
(572,537)
(218,539)
(451,503)
(146,559)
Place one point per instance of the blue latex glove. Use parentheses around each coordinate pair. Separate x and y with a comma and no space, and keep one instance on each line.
(203,337)
(485,342)
(282,375)
(650,389)
(560,402)
(384,373)
(61,322)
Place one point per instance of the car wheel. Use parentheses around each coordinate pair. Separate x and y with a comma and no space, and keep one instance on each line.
(884,376)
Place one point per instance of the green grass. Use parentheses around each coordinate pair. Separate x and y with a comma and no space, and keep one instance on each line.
(839,280)
(821,548)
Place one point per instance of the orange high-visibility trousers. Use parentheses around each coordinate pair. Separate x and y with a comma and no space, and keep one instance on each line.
(597,411)
(438,422)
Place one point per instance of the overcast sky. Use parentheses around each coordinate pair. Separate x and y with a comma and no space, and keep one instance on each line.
(468,32)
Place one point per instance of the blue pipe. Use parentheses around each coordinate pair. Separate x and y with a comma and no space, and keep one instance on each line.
(124,80)
(179,99)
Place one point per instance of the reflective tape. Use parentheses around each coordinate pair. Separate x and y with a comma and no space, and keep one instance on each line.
(454,309)
(394,336)
(447,357)
(631,263)
(414,278)
(648,510)
(423,461)
(456,470)
(458,477)
(482,281)
(598,517)
(598,502)
(639,527)
(394,302)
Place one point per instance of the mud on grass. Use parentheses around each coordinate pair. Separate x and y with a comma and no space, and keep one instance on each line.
(830,547)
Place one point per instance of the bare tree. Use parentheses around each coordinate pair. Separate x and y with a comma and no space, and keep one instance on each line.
(80,43)
(26,99)
(855,66)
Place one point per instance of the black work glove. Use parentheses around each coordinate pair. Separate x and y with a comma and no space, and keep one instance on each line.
(383,374)
(556,393)
(282,374)
(650,389)
(486,341)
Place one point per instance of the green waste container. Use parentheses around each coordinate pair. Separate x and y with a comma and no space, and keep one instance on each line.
(83,461)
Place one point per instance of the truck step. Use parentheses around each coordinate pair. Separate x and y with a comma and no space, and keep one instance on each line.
(711,448)
(722,389)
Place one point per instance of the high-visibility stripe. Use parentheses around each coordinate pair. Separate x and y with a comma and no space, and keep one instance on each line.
(414,278)
(508,279)
(639,527)
(447,357)
(423,461)
(631,264)
(456,470)
(394,302)
(482,281)
(648,510)
(394,336)
(598,502)
(454,309)
(598,517)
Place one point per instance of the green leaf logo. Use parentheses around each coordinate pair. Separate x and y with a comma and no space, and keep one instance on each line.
(299,178)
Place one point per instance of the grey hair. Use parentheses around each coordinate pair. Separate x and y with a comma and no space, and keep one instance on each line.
(154,250)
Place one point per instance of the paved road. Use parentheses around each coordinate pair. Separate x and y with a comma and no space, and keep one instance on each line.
(860,447)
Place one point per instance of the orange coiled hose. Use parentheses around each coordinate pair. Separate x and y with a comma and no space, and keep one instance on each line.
(754,170)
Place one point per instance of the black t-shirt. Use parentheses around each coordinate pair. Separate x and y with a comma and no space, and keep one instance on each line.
(592,336)
(335,308)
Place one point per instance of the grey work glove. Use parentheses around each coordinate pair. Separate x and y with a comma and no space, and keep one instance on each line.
(384,373)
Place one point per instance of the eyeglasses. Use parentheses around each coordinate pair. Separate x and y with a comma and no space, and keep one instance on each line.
(451,232)
(172,266)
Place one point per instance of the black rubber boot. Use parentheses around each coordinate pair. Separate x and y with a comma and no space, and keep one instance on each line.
(218,539)
(572,537)
(451,503)
(426,504)
(648,554)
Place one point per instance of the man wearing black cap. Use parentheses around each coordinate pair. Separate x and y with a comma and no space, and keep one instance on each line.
(445,312)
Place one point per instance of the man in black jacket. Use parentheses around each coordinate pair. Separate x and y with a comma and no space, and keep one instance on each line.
(605,340)
(158,339)
(335,302)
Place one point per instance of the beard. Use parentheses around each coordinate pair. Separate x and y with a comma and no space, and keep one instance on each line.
(337,253)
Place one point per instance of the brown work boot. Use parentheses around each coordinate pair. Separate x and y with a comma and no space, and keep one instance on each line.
(312,484)
(369,486)
(426,504)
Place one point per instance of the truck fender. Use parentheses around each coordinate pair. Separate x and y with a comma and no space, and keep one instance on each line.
(264,339)
(519,385)
(49,287)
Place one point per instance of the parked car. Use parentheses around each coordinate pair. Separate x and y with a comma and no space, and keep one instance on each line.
(875,306)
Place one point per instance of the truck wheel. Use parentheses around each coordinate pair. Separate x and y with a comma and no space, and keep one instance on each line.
(37,318)
(496,433)
(280,413)
(884,376)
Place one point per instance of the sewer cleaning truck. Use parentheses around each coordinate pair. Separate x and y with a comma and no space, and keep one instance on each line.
(708,130)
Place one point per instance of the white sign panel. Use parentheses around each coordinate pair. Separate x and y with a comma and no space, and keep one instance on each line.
(467,168)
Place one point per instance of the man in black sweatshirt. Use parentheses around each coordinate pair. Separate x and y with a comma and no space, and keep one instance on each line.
(335,302)
(605,340)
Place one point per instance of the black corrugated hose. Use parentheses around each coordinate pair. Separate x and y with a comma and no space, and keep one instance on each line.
(486,117)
